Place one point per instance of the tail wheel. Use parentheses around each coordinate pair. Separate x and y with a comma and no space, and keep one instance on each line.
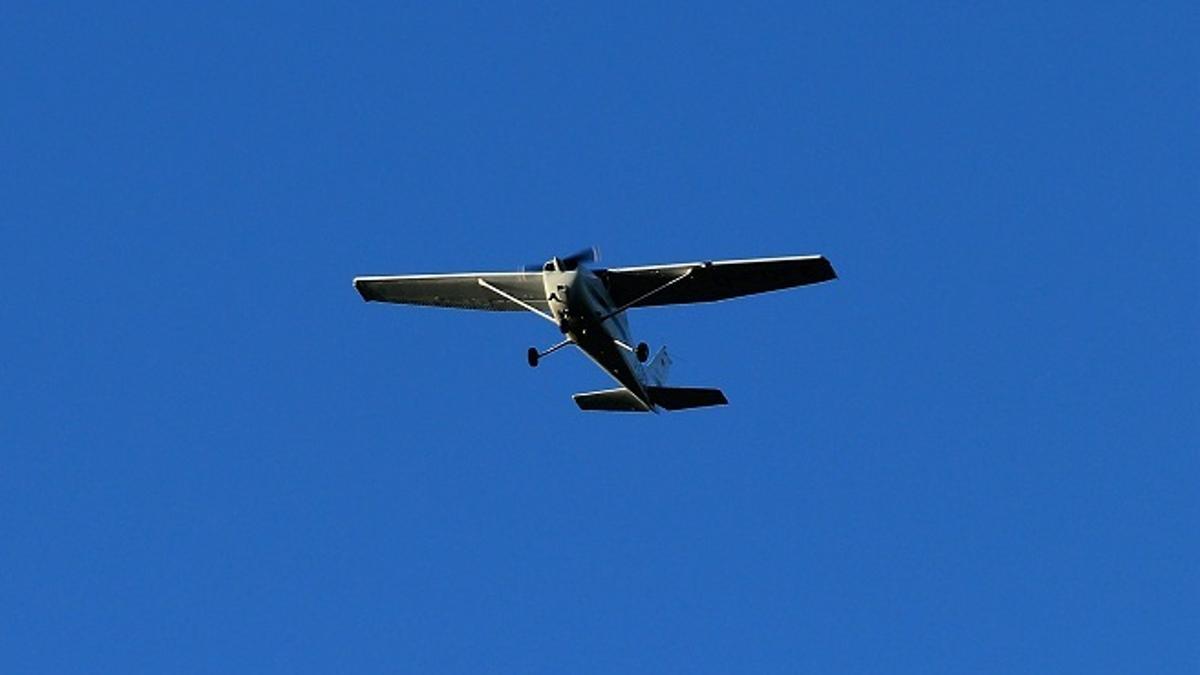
(532,356)
(642,352)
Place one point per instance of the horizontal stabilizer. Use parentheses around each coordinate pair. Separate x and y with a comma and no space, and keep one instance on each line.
(682,398)
(619,400)
(668,398)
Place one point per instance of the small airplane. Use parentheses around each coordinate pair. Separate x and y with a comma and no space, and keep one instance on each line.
(588,304)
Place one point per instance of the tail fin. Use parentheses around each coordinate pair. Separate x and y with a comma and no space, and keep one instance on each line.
(676,398)
(682,398)
(657,369)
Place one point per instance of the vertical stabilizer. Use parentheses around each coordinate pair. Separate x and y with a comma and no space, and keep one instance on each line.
(657,369)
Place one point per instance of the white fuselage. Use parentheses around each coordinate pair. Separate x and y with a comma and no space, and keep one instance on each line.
(579,302)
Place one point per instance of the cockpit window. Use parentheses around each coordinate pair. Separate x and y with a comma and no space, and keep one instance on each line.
(549,266)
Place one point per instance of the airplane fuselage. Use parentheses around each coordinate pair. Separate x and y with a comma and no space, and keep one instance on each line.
(580,302)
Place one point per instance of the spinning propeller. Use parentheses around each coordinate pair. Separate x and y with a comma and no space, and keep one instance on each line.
(569,263)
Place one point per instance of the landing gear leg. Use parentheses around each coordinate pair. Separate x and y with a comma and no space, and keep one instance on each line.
(533,355)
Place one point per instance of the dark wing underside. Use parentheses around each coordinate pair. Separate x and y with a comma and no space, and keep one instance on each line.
(461,291)
(717,280)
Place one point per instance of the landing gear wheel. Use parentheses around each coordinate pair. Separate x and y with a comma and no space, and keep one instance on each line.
(532,356)
(642,352)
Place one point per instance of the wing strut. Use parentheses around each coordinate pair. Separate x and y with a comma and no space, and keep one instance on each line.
(643,296)
(522,303)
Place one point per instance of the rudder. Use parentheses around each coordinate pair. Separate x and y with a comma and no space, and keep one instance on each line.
(658,368)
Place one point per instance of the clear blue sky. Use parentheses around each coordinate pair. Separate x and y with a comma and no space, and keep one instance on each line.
(974,452)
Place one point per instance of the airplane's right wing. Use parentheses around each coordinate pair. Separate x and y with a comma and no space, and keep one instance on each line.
(462,291)
(710,281)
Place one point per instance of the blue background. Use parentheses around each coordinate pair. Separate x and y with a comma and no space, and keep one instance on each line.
(976,451)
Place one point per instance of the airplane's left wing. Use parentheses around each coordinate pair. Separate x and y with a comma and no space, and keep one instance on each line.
(462,291)
(683,283)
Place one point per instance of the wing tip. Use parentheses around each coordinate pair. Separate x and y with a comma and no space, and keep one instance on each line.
(832,273)
(364,289)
